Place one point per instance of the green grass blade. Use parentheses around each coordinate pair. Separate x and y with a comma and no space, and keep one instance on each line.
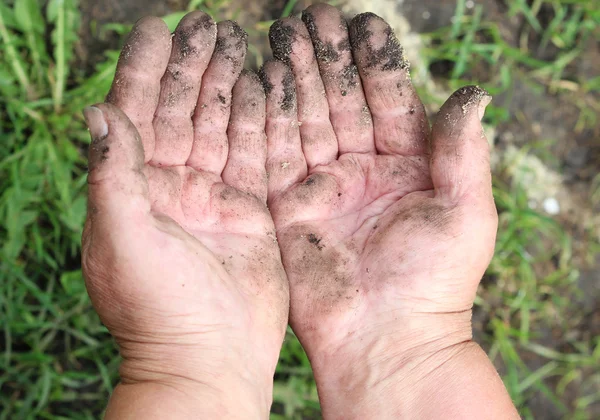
(17,64)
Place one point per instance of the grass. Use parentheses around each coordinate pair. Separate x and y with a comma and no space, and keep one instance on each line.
(58,361)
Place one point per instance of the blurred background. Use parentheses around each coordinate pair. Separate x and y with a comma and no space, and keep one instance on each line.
(538,309)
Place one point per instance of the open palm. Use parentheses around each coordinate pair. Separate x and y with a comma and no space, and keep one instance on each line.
(179,250)
(378,230)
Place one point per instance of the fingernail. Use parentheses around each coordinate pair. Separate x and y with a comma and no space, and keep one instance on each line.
(96,122)
(483,103)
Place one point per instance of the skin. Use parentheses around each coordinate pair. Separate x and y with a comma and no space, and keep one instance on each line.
(385,226)
(179,249)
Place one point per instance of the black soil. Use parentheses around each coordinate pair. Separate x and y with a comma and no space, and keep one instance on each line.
(326,52)
(289,92)
(281,37)
(389,57)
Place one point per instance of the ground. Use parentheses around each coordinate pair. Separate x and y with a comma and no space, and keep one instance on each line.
(538,310)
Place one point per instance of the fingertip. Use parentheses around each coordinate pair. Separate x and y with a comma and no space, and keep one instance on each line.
(230,28)
(282,35)
(377,47)
(198,21)
(320,8)
(114,137)
(464,103)
(154,25)
(249,83)
(358,28)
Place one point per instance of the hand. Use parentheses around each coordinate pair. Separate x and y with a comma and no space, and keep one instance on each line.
(385,228)
(179,249)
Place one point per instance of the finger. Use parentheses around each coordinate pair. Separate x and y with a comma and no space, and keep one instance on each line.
(193,44)
(245,167)
(136,87)
(286,164)
(348,110)
(209,152)
(460,160)
(116,184)
(291,44)
(399,120)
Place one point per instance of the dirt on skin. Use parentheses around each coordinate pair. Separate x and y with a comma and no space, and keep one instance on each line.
(184,35)
(281,37)
(534,114)
(388,57)
(542,114)
(327,52)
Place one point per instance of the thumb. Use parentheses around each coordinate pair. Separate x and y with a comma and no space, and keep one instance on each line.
(117,186)
(460,153)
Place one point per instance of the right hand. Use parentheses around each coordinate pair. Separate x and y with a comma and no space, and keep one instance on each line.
(179,249)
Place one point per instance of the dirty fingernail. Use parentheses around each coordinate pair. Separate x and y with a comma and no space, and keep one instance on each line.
(96,122)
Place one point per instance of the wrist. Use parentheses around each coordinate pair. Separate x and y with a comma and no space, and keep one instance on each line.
(383,371)
(207,382)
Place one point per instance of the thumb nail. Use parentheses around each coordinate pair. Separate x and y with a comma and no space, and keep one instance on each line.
(96,123)
(483,103)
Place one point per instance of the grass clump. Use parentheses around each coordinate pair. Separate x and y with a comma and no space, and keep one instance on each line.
(57,359)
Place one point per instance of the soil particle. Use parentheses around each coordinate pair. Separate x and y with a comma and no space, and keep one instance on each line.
(344,44)
(458,107)
(324,270)
(250,74)
(173,98)
(205,22)
(266,82)
(280,38)
(289,92)
(312,189)
(390,57)
(235,33)
(184,34)
(104,152)
(349,78)
(365,116)
(469,96)
(98,151)
(427,217)
(130,45)
(326,52)
(176,74)
(313,239)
